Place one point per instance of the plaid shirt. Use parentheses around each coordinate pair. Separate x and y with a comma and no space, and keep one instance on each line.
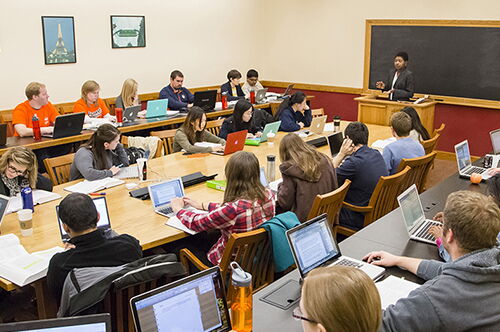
(233,217)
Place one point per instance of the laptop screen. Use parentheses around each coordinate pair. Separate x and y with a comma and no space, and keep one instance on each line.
(495,141)
(335,142)
(162,193)
(463,155)
(90,323)
(409,201)
(196,303)
(312,244)
(263,179)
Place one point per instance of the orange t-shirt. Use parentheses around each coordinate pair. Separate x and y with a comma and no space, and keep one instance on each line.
(93,111)
(23,113)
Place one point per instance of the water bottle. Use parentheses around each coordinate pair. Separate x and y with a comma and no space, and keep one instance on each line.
(336,123)
(37,134)
(241,304)
(224,101)
(27,198)
(270,168)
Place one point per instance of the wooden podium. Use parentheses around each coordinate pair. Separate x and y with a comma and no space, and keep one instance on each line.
(378,111)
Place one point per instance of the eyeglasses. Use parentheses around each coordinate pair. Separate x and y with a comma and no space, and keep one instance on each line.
(15,170)
(298,315)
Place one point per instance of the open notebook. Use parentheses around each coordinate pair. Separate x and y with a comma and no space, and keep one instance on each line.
(87,187)
(39,197)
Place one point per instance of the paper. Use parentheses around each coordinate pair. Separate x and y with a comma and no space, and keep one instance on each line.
(127,173)
(392,288)
(382,143)
(207,144)
(176,223)
(172,113)
(328,126)
(87,187)
(39,197)
(94,123)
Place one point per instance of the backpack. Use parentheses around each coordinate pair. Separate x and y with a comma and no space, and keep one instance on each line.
(134,153)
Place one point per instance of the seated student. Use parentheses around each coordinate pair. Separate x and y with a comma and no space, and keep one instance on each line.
(101,156)
(193,131)
(306,173)
(88,246)
(178,96)
(462,295)
(18,169)
(242,119)
(339,299)
(252,83)
(247,204)
(128,97)
(404,147)
(90,103)
(294,113)
(363,166)
(260,118)
(232,87)
(418,132)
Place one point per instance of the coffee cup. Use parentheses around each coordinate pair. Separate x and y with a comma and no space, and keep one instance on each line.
(25,217)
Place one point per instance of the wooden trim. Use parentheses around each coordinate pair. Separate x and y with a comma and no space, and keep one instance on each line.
(313,87)
(444,155)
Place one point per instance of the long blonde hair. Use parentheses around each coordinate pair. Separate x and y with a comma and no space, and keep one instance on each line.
(243,178)
(294,150)
(129,92)
(342,299)
(89,86)
(22,156)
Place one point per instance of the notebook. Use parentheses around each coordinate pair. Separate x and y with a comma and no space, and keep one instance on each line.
(67,125)
(87,187)
(272,127)
(234,142)
(161,195)
(465,168)
(39,197)
(89,323)
(196,303)
(414,217)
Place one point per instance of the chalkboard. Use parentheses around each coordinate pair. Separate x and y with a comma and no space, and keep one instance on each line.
(445,60)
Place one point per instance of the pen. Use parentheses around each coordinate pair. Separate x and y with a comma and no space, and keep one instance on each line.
(97,194)
(121,165)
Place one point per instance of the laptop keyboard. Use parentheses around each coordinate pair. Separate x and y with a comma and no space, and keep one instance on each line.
(423,233)
(347,262)
(475,169)
(166,210)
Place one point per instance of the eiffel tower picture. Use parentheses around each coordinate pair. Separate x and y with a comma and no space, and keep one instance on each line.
(59,40)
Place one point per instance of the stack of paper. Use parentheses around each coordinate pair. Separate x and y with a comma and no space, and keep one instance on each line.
(39,197)
(392,288)
(87,187)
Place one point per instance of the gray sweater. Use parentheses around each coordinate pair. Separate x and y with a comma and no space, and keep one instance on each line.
(181,141)
(459,296)
(84,163)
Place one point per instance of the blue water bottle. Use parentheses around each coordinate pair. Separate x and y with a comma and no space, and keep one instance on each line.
(27,197)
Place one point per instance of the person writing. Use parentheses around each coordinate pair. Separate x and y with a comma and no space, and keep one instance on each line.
(399,84)
(242,119)
(294,113)
(91,104)
(178,96)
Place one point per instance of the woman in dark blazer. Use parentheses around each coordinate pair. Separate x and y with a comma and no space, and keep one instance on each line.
(232,87)
(294,113)
(399,84)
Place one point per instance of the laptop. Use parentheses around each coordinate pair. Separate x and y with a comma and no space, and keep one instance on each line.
(234,142)
(260,96)
(288,91)
(495,141)
(4,203)
(162,193)
(465,168)
(67,125)
(89,323)
(313,245)
(3,134)
(196,303)
(205,99)
(317,126)
(103,223)
(130,113)
(156,108)
(272,127)
(335,142)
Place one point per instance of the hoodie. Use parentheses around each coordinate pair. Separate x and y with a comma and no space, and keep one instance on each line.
(463,295)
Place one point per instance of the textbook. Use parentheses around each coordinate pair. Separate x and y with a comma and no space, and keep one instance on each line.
(392,288)
(87,187)
(20,267)
(217,184)
(39,197)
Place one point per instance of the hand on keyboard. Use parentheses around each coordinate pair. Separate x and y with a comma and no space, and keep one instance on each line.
(436,231)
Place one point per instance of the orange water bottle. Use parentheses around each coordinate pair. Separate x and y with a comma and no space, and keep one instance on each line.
(241,304)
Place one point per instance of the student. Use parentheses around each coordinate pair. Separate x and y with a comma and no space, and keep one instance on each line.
(294,113)
(247,204)
(306,173)
(252,83)
(101,156)
(128,97)
(178,96)
(232,87)
(418,132)
(363,166)
(242,119)
(404,147)
(88,246)
(193,131)
(399,84)
(462,295)
(339,299)
(90,103)
(18,169)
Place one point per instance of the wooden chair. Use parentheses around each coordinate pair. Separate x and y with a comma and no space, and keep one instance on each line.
(167,139)
(420,168)
(6,118)
(58,168)
(381,202)
(430,144)
(214,126)
(65,108)
(159,148)
(438,130)
(330,203)
(318,112)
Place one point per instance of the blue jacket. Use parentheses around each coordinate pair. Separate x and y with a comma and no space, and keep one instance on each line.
(276,228)
(290,119)
(226,88)
(176,101)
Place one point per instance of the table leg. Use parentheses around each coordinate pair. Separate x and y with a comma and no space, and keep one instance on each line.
(47,308)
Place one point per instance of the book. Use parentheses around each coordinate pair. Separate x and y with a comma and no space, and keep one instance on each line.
(176,223)
(380,144)
(217,184)
(207,144)
(20,267)
(39,197)
(87,187)
(392,288)
(127,173)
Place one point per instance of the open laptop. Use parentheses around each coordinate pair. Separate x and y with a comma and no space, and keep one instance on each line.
(272,127)
(313,245)
(4,203)
(103,223)
(317,126)
(130,113)
(162,193)
(335,142)
(205,99)
(495,141)
(414,217)
(234,142)
(260,96)
(156,108)
(196,303)
(67,125)
(465,168)
(89,323)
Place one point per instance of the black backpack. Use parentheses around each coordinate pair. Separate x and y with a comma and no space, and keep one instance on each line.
(134,153)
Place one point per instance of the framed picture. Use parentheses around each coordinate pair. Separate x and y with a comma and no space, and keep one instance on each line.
(58,39)
(128,31)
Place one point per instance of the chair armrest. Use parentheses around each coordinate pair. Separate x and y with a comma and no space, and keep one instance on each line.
(362,209)
(186,257)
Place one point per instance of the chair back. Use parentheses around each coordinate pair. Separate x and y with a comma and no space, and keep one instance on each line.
(6,118)
(318,112)
(167,139)
(438,130)
(58,168)
(420,168)
(214,126)
(430,144)
(65,108)
(159,147)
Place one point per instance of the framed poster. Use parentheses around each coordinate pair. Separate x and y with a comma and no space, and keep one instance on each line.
(58,39)
(128,31)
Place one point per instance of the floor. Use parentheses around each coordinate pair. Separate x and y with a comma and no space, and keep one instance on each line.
(442,169)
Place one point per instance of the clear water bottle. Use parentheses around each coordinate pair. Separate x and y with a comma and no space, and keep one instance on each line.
(241,304)
(270,168)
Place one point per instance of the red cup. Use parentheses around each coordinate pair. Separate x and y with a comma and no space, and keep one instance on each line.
(252,97)
(224,102)
(119,115)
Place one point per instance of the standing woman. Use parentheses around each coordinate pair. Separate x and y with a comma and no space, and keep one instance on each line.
(101,157)
(90,103)
(418,131)
(294,113)
(242,119)
(232,87)
(399,84)
(306,173)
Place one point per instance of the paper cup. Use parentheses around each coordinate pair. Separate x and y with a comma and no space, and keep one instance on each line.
(25,217)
